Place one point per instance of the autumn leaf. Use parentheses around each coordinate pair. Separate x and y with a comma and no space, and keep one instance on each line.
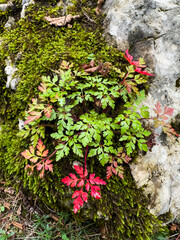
(48,111)
(137,64)
(61,21)
(48,165)
(79,195)
(158,109)
(34,115)
(43,87)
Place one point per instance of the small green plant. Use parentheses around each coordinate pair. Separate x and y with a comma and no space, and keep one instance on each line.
(2,208)
(94,117)
(4,235)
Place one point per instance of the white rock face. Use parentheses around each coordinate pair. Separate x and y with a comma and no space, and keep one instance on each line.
(25,4)
(21,124)
(10,22)
(151,29)
(4,6)
(10,70)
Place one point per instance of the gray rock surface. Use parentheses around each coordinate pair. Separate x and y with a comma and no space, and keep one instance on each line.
(10,71)
(10,22)
(4,6)
(25,4)
(151,29)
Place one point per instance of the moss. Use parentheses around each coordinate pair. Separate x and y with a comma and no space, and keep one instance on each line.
(41,48)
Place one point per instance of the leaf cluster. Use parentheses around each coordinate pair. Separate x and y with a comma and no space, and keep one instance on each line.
(87,110)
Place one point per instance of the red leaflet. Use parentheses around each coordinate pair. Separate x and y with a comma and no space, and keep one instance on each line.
(138,67)
(159,120)
(129,58)
(79,201)
(69,181)
(168,111)
(143,72)
(48,165)
(158,109)
(81,195)
(35,116)
(43,87)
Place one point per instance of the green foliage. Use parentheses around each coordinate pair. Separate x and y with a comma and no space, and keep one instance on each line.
(4,235)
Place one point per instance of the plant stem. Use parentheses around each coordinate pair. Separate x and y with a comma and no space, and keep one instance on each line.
(85,158)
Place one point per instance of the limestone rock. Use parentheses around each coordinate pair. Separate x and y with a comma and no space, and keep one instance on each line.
(10,22)
(25,4)
(10,70)
(4,6)
(150,29)
(21,124)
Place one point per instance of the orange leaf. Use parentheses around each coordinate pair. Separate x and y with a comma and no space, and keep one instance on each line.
(40,146)
(18,225)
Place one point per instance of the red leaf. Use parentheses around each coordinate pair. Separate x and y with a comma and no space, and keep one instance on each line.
(79,170)
(91,176)
(128,57)
(158,109)
(76,194)
(78,200)
(109,172)
(143,72)
(48,165)
(73,176)
(32,118)
(99,181)
(76,207)
(95,193)
(39,166)
(168,111)
(84,196)
(97,188)
(87,186)
(81,183)
(67,180)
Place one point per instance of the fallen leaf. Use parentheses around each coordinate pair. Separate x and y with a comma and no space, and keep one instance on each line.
(61,21)
(55,218)
(174,227)
(99,5)
(3,182)
(19,210)
(9,190)
(91,70)
(18,225)
(7,205)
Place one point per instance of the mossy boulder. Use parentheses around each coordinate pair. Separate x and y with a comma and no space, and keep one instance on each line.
(41,48)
